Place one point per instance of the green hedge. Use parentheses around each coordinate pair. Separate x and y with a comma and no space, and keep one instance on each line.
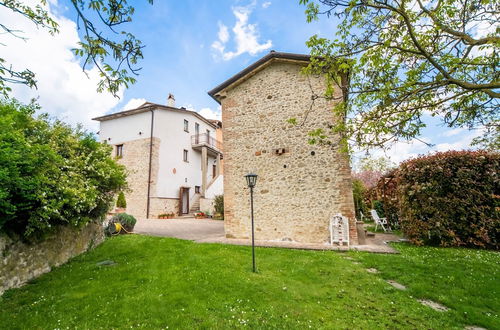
(51,174)
(451,199)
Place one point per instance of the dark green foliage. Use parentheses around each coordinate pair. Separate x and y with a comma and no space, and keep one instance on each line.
(121,202)
(451,199)
(126,220)
(379,207)
(219,205)
(51,174)
(358,191)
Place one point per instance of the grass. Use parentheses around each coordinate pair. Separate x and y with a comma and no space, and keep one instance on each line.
(163,282)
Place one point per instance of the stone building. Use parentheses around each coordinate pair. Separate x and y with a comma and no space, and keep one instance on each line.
(171,155)
(300,186)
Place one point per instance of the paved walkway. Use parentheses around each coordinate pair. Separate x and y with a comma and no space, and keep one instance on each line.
(212,231)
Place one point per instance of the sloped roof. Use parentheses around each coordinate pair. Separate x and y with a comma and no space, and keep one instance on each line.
(147,106)
(255,67)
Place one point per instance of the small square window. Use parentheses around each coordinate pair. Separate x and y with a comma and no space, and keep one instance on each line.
(119,150)
(196,189)
(186,126)
(185,155)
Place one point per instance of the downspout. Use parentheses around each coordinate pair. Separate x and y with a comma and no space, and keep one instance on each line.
(150,161)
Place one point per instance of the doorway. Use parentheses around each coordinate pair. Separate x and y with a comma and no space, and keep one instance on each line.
(184,200)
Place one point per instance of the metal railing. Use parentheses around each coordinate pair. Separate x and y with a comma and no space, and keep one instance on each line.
(205,140)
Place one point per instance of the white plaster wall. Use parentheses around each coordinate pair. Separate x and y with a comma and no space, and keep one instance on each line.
(169,127)
(216,188)
(125,129)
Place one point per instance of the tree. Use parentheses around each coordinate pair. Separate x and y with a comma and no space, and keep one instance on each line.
(51,174)
(370,170)
(114,53)
(405,59)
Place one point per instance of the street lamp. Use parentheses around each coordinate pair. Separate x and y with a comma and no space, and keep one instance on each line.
(251,181)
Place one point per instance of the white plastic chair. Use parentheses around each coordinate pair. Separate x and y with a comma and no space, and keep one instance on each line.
(382,222)
(339,230)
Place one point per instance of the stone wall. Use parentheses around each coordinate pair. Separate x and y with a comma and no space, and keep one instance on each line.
(21,262)
(136,159)
(299,190)
(161,205)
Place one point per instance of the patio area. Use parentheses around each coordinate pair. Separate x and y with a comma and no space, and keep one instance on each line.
(212,231)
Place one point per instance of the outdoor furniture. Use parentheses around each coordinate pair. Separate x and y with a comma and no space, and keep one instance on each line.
(339,230)
(382,222)
(361,216)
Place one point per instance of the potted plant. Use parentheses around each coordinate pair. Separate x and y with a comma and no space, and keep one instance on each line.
(170,215)
(121,203)
(219,207)
(200,215)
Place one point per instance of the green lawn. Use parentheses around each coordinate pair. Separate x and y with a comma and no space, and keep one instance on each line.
(162,282)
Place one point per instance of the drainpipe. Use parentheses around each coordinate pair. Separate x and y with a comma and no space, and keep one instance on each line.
(150,161)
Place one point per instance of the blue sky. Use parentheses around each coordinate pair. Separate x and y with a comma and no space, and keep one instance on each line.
(179,57)
(191,46)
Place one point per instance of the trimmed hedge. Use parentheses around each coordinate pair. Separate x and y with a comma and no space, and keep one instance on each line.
(451,199)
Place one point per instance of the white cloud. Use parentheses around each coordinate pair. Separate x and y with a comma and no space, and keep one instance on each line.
(463,142)
(458,139)
(210,114)
(246,36)
(223,33)
(453,132)
(206,112)
(133,103)
(266,4)
(64,91)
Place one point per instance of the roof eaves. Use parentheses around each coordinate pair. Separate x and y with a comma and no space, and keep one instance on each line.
(150,106)
(254,66)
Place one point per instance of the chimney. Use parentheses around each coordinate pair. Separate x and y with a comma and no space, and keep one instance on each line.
(171,100)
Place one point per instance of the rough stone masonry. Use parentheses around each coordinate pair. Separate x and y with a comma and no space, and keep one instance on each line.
(300,186)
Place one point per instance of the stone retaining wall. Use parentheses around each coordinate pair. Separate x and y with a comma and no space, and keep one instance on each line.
(21,262)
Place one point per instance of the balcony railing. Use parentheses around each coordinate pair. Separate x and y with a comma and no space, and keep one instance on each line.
(206,140)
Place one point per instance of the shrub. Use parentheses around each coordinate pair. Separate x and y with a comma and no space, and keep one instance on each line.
(451,199)
(125,220)
(51,174)
(358,192)
(219,205)
(121,202)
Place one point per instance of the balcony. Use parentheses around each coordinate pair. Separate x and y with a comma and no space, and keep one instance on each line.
(206,140)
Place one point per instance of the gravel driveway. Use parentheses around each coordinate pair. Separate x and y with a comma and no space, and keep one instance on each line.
(191,229)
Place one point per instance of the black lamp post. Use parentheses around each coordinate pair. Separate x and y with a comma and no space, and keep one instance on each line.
(251,181)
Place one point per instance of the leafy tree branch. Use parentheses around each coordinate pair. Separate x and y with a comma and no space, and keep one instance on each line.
(406,59)
(115,53)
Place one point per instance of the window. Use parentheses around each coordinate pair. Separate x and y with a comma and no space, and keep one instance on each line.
(119,150)
(196,189)
(186,126)
(185,155)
